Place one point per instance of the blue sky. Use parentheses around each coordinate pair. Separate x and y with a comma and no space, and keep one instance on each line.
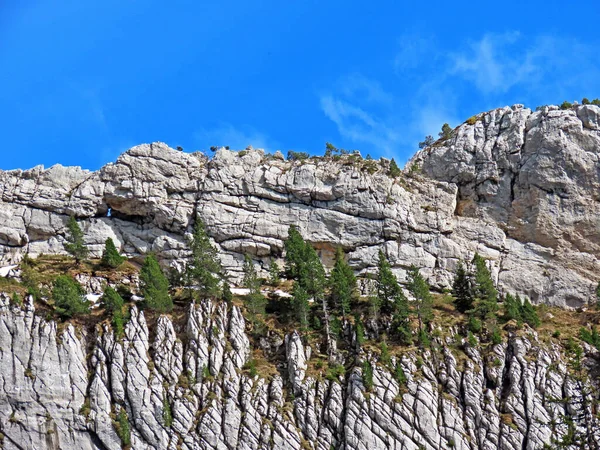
(84,81)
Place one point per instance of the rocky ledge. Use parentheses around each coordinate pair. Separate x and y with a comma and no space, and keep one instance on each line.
(186,385)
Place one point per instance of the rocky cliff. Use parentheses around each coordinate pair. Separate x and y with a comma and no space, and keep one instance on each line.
(517,186)
(183,386)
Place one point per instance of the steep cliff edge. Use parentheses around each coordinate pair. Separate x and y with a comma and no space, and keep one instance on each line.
(185,385)
(517,186)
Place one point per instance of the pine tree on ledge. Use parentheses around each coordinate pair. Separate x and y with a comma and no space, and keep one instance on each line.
(74,244)
(203,270)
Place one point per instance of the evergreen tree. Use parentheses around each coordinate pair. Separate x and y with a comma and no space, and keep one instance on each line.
(392,299)
(367,375)
(312,278)
(300,305)
(512,308)
(274,278)
(227,295)
(388,288)
(204,268)
(462,289)
(154,286)
(427,142)
(387,284)
(110,255)
(255,301)
(374,306)
(74,244)
(446,131)
(69,297)
(312,274)
(342,283)
(295,248)
(394,171)
(423,300)
(251,280)
(111,301)
(529,314)
(304,265)
(400,318)
(486,296)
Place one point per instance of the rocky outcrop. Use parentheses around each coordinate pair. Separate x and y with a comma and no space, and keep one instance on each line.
(183,386)
(517,186)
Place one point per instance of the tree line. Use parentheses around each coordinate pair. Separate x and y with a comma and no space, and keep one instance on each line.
(319,301)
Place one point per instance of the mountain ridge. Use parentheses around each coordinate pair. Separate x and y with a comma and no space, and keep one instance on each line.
(457,203)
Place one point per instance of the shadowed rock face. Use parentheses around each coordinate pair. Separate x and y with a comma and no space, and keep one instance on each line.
(64,389)
(518,187)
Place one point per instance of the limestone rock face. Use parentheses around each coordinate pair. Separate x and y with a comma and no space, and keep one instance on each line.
(184,386)
(519,187)
(535,176)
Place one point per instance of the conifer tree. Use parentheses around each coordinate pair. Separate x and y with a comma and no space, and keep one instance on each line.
(227,294)
(342,283)
(300,305)
(312,278)
(394,171)
(255,301)
(529,314)
(400,317)
(154,286)
(112,302)
(462,289)
(312,275)
(423,300)
(204,268)
(251,280)
(295,248)
(388,288)
(512,308)
(446,132)
(69,297)
(392,299)
(110,255)
(274,278)
(486,296)
(74,244)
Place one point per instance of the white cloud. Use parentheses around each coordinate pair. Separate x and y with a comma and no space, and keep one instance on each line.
(442,85)
(544,65)
(357,125)
(494,63)
(238,138)
(357,85)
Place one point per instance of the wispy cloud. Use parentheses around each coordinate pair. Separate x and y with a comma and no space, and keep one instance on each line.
(356,124)
(495,63)
(236,137)
(441,84)
(543,64)
(360,108)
